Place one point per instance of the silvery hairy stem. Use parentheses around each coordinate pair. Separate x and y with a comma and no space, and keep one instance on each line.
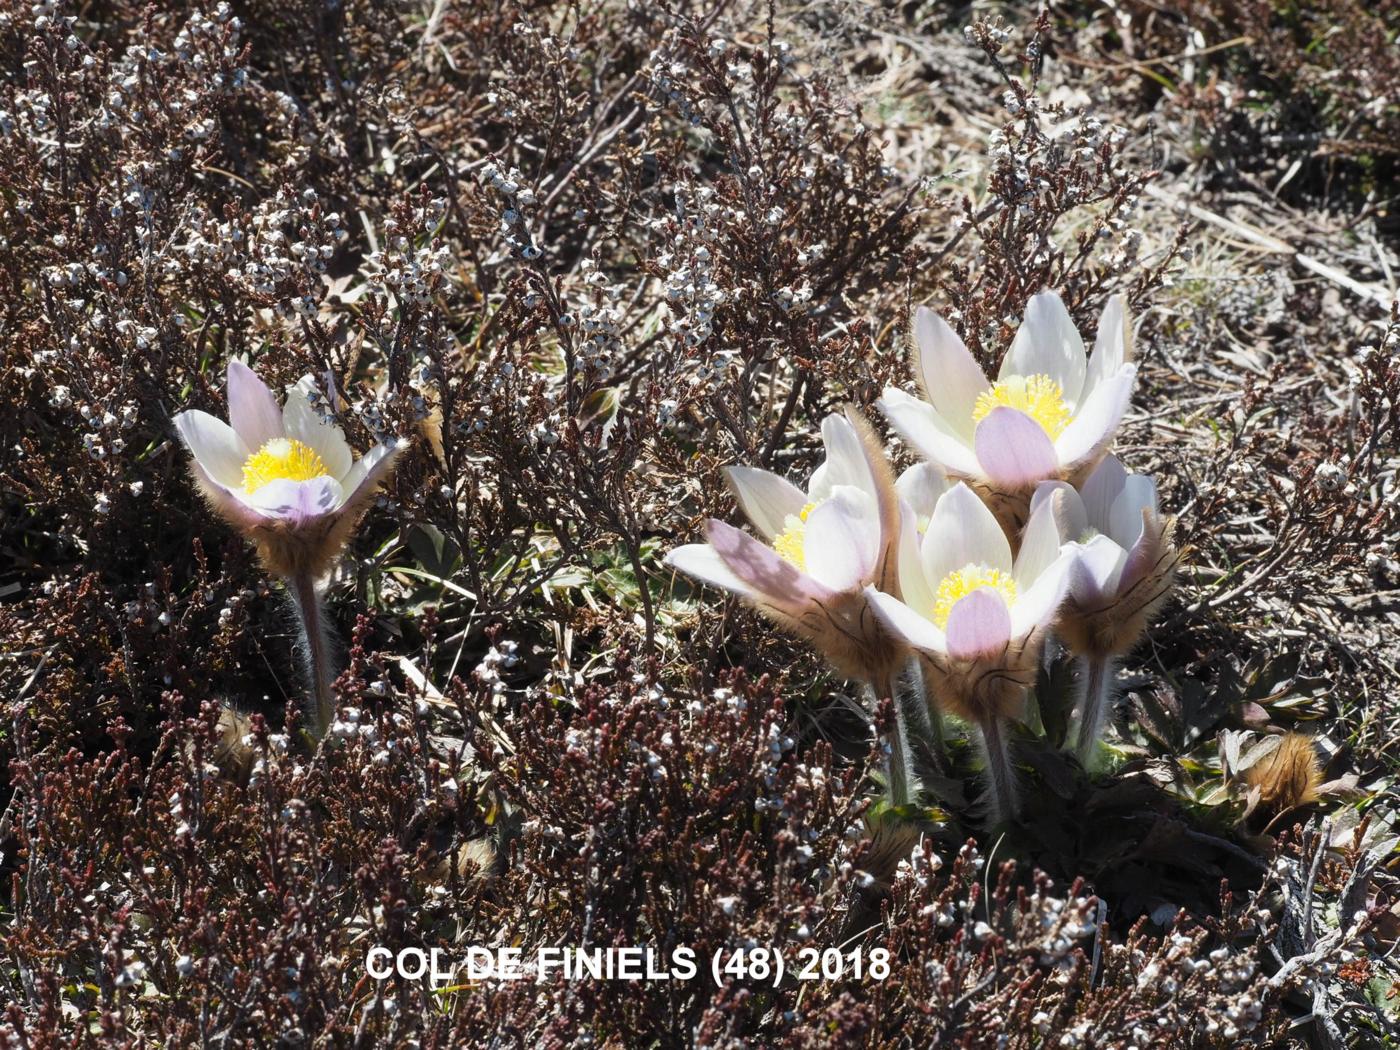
(897,769)
(1093,705)
(306,596)
(1001,776)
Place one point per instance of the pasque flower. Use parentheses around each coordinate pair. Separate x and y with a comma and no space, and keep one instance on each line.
(1050,414)
(285,479)
(1122,577)
(281,475)
(978,617)
(819,548)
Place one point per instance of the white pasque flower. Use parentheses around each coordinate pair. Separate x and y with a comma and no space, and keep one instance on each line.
(969,607)
(1126,557)
(976,616)
(1050,414)
(282,475)
(820,547)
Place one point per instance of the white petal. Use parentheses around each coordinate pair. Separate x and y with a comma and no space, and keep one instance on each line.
(1098,569)
(362,466)
(372,468)
(214,446)
(1125,519)
(303,423)
(1067,505)
(765,498)
(950,376)
(963,531)
(1101,489)
(905,622)
(920,486)
(1040,544)
(845,456)
(1037,605)
(1113,345)
(1093,427)
(1047,343)
(252,410)
(913,585)
(919,423)
(703,562)
(841,543)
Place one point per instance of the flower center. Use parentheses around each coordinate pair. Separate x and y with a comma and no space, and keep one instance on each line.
(1039,397)
(959,583)
(281,458)
(788,543)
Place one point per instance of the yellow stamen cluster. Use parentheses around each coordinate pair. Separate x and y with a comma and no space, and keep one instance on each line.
(959,583)
(788,543)
(281,458)
(1038,396)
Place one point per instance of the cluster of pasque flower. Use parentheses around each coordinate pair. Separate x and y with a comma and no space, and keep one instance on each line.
(1020,523)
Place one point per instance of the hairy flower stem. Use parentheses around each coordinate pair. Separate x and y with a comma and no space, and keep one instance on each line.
(1093,705)
(306,596)
(897,769)
(924,719)
(1001,777)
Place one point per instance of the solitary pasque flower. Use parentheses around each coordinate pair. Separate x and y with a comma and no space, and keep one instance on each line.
(1122,577)
(1050,414)
(285,478)
(819,550)
(978,617)
(281,475)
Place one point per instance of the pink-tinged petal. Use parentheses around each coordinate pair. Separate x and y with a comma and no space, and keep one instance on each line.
(297,501)
(921,486)
(1041,541)
(1067,505)
(845,458)
(947,372)
(963,532)
(1125,519)
(979,625)
(766,499)
(1037,605)
(841,541)
(763,571)
(225,501)
(913,585)
(1048,344)
(1113,345)
(1014,450)
(304,423)
(214,446)
(1097,570)
(905,623)
(919,424)
(703,562)
(1093,427)
(252,409)
(1101,490)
